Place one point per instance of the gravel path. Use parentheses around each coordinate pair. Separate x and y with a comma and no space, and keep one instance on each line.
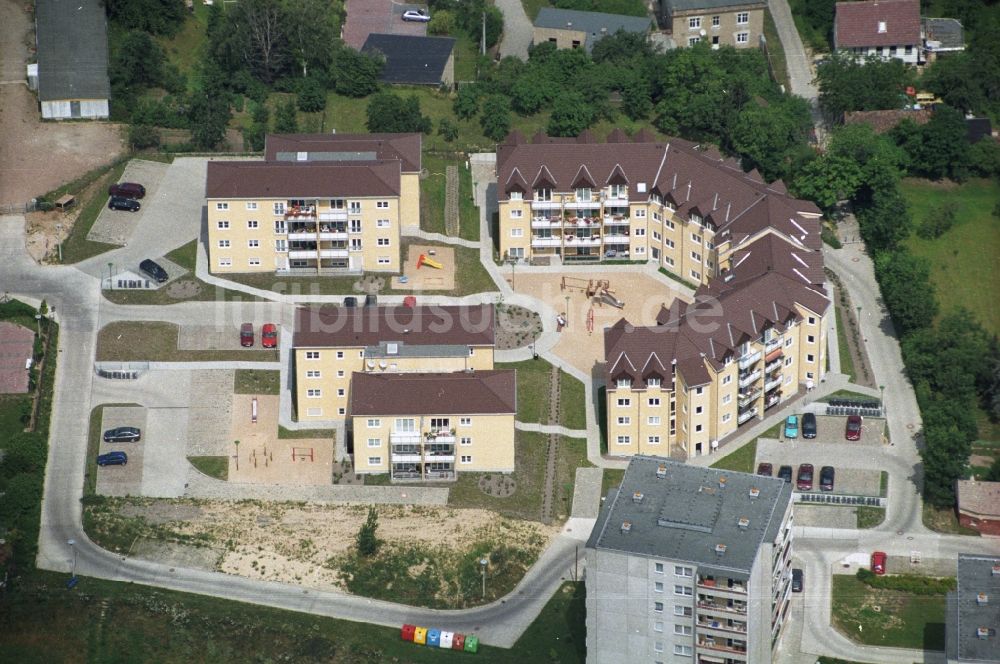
(516,29)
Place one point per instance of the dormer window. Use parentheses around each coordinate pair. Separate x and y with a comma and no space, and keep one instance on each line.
(657,199)
(543,194)
(881,27)
(653,382)
(670,206)
(583,195)
(696,218)
(516,196)
(623,383)
(619,191)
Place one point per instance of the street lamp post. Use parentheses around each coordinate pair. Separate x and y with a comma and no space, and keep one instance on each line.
(484,561)
(567,311)
(512,261)
(110,275)
(72,545)
(882,390)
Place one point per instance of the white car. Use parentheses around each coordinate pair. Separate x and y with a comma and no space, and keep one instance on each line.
(420,15)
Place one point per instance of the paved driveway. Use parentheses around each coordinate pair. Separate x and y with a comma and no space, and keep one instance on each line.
(517,29)
(165,465)
(122,480)
(117,226)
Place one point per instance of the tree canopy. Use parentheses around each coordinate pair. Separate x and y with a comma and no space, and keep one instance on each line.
(847,84)
(389,112)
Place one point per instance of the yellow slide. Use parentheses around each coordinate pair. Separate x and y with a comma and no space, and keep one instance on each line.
(423,260)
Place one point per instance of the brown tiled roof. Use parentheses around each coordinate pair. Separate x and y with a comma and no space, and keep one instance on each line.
(352,147)
(417,326)
(979,499)
(857,23)
(274,179)
(458,393)
(773,252)
(883,121)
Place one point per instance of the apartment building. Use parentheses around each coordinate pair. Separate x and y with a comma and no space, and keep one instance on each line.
(737,23)
(317,204)
(431,426)
(672,202)
(882,29)
(689,564)
(974,611)
(332,346)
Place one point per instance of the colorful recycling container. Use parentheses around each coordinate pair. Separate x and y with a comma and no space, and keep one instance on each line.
(458,643)
(472,643)
(446,639)
(420,635)
(434,637)
(407,632)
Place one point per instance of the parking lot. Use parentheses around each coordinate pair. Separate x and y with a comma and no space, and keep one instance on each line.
(117,226)
(830,429)
(122,480)
(213,337)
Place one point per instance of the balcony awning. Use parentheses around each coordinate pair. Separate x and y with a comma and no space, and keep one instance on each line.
(773,355)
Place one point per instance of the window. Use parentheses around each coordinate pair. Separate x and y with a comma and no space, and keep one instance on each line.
(658,607)
(684,591)
(680,570)
(742,37)
(382,205)
(726,417)
(382,242)
(340,374)
(312,354)
(465,421)
(223,244)
(251,205)
(281,245)
(811,320)
(694,22)
(654,401)
(698,410)
(695,237)
(355,226)
(623,383)
(517,232)
(625,420)
(624,403)
(809,375)
(341,411)
(669,244)
(639,232)
(624,440)
(640,250)
(639,213)
(340,392)
(788,361)
(658,626)
(658,568)
(279,208)
(253,223)
(696,256)
(715,21)
(658,587)
(354,207)
(668,261)
(653,440)
(466,458)
(355,244)
(516,214)
(657,237)
(383,223)
(908,50)
(653,420)
(658,646)
(788,342)
(682,650)
(374,423)
(253,262)
(340,354)
(810,357)
(314,412)
(517,195)
(726,399)
(742,18)
(810,339)
(384,260)
(465,441)
(374,461)
(374,442)
(222,225)
(225,262)
(684,630)
(313,373)
(695,275)
(653,382)
(314,393)
(543,194)
(697,428)
(583,194)
(253,244)
(576,43)
(684,611)
(222,206)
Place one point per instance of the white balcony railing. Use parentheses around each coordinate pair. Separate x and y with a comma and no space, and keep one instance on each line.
(333,253)
(750,378)
(545,205)
(612,238)
(574,241)
(405,437)
(772,366)
(302,236)
(439,458)
(772,344)
(771,384)
(333,235)
(302,253)
(333,215)
(746,399)
(749,359)
(542,222)
(581,205)
(545,241)
(610,219)
(406,458)
(749,415)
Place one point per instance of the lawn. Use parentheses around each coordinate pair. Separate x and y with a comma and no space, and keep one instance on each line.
(145,341)
(533,377)
(811,37)
(176,628)
(848,394)
(184,49)
(888,618)
(963,260)
(213,466)
(944,520)
(92,193)
(846,360)
(529,475)
(776,52)
(254,381)
(741,460)
(432,195)
(612,478)
(869,517)
(304,433)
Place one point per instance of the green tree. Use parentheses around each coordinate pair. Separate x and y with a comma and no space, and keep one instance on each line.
(159,17)
(388,112)
(944,454)
(356,74)
(957,80)
(311,95)
(137,61)
(286,120)
(906,289)
(938,220)
(945,150)
(884,221)
(447,130)
(624,7)
(142,137)
(466,103)
(846,84)
(529,94)
(570,115)
(636,93)
(367,538)
(311,26)
(827,180)
(984,158)
(256,34)
(209,116)
(495,117)
(441,23)
(766,136)
(993,474)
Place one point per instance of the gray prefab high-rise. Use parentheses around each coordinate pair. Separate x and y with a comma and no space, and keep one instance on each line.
(689,562)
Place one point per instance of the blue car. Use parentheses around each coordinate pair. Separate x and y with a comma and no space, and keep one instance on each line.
(112,459)
(792,427)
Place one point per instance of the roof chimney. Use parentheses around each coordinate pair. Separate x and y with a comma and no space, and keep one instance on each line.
(689,192)
(754,493)
(720,549)
(661,471)
(743,523)
(983,632)
(722,482)
(626,526)
(982,599)
(637,497)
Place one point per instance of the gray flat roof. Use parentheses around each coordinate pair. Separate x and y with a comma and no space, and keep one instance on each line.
(405,350)
(72,38)
(596,24)
(948,31)
(687,511)
(975,577)
(692,5)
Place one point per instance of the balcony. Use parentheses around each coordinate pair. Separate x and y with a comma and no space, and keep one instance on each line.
(772,344)
(545,205)
(712,585)
(405,458)
(334,235)
(404,437)
(747,416)
(748,398)
(538,241)
(300,212)
(749,359)
(737,608)
(581,205)
(332,253)
(749,378)
(576,241)
(302,253)
(773,366)
(705,623)
(546,222)
(710,644)
(615,238)
(773,355)
(443,436)
(338,214)
(302,235)
(771,384)
(612,219)
(772,400)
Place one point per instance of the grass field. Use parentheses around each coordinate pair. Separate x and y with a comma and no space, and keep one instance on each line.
(869,517)
(843,347)
(129,341)
(963,260)
(77,247)
(185,49)
(741,460)
(532,7)
(533,378)
(253,381)
(213,466)
(944,520)
(432,195)
(177,628)
(901,620)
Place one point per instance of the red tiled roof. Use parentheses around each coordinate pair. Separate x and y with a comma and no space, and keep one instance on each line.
(979,499)
(878,23)
(458,393)
(280,179)
(16,347)
(416,326)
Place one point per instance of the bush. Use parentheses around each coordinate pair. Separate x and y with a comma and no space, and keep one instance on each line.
(447,130)
(938,221)
(141,137)
(312,96)
(367,538)
(441,23)
(908,583)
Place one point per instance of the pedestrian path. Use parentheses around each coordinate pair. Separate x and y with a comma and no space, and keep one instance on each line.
(554,429)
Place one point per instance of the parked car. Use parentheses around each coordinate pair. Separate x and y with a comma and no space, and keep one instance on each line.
(785,473)
(122,203)
(809,425)
(878,562)
(269,335)
(853,430)
(826,476)
(127,190)
(419,15)
(796,580)
(154,270)
(804,480)
(765,469)
(246,335)
(792,427)
(350,301)
(122,435)
(371,300)
(112,459)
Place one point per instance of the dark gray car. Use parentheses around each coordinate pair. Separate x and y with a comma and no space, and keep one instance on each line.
(122,435)
(154,270)
(809,425)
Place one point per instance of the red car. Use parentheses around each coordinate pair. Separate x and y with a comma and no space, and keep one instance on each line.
(878,562)
(127,189)
(804,481)
(269,335)
(246,335)
(853,430)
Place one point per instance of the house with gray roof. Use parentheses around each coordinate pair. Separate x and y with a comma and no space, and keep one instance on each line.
(973,620)
(737,23)
(686,561)
(569,28)
(71,38)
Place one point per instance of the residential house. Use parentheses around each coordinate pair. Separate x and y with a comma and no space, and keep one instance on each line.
(879,29)
(941,37)
(322,204)
(431,426)
(689,564)
(414,60)
(973,612)
(978,505)
(569,28)
(71,38)
(738,23)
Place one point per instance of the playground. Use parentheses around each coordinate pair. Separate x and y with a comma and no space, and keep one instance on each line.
(261,457)
(588,302)
(427,268)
